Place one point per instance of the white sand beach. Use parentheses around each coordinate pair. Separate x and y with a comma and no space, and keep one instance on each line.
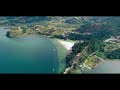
(68,45)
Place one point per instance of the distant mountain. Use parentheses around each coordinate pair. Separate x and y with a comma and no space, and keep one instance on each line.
(12,20)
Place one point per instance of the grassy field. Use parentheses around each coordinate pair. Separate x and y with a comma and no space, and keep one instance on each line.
(90,61)
(110,46)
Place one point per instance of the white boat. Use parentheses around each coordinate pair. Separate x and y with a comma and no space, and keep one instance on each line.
(53,69)
(54,49)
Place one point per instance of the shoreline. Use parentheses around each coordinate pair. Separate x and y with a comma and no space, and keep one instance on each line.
(66,44)
(62,52)
(63,48)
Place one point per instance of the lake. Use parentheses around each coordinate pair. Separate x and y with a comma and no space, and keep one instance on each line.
(30,54)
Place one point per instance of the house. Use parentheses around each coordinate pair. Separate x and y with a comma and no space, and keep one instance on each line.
(19,28)
(86,33)
(37,27)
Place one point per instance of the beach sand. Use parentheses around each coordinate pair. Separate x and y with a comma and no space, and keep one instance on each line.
(62,47)
(68,45)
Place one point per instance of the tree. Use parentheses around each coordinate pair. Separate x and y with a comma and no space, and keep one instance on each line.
(115,54)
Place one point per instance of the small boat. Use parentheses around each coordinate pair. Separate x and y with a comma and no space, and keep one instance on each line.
(54,49)
(53,69)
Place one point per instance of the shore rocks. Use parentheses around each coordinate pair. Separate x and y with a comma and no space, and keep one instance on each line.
(18,33)
(13,33)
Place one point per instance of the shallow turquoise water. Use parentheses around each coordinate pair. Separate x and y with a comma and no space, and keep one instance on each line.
(30,54)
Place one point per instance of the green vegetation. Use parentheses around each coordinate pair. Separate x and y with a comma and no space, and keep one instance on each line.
(78,47)
(20,31)
(110,49)
(93,35)
(115,54)
(90,61)
(14,33)
(90,32)
(23,29)
(92,45)
(101,55)
(111,46)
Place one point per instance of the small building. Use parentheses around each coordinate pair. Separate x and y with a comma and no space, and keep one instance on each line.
(86,33)
(37,27)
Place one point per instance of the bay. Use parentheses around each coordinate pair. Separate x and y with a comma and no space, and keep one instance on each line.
(30,54)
